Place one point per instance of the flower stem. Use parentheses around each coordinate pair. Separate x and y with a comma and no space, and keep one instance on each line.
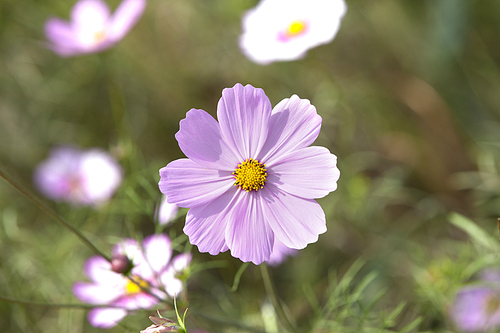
(271,293)
(53,214)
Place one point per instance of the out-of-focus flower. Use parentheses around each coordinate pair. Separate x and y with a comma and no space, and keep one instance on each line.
(283,30)
(151,264)
(79,177)
(166,211)
(251,178)
(92,28)
(280,253)
(476,309)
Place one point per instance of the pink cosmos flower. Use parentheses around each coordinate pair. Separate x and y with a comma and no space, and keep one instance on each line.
(283,30)
(477,309)
(251,178)
(92,28)
(151,269)
(79,177)
(166,211)
(280,253)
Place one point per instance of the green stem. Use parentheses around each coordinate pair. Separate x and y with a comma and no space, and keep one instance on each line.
(52,214)
(271,292)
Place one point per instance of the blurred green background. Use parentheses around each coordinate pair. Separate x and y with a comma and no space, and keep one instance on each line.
(409,96)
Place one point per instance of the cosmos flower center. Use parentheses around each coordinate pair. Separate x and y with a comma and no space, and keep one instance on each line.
(250,175)
(135,285)
(294,29)
(99,36)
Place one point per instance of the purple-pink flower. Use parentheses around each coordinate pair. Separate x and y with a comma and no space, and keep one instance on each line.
(80,177)
(477,309)
(251,178)
(151,270)
(92,28)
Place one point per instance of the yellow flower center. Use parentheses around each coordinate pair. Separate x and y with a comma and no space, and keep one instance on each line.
(134,285)
(250,175)
(296,28)
(99,36)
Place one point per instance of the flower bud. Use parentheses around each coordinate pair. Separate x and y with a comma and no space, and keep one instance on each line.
(121,264)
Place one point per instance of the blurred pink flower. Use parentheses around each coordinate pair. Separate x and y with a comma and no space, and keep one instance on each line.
(92,28)
(476,309)
(251,178)
(283,30)
(280,253)
(79,177)
(151,269)
(166,211)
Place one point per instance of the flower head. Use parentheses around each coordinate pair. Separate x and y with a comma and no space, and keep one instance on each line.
(79,177)
(140,289)
(92,28)
(476,309)
(251,178)
(283,30)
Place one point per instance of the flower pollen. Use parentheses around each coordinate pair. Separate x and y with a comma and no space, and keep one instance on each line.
(250,175)
(135,286)
(99,36)
(296,28)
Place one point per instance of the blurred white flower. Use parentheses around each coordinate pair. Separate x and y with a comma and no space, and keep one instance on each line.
(79,177)
(166,211)
(283,30)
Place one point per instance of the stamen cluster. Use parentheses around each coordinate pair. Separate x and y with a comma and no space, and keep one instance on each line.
(250,175)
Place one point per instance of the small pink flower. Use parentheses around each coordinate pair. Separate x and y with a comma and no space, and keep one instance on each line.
(92,28)
(476,309)
(79,177)
(152,270)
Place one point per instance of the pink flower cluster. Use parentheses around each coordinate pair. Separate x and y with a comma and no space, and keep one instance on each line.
(152,275)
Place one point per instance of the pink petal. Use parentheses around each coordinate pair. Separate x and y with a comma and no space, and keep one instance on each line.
(280,253)
(248,235)
(200,139)
(181,262)
(189,184)
(167,211)
(61,36)
(294,124)
(140,300)
(243,113)
(130,248)
(98,293)
(295,221)
(125,17)
(174,287)
(89,11)
(309,172)
(158,251)
(106,317)
(206,225)
(99,270)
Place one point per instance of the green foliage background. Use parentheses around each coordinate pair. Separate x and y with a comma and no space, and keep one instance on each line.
(408,93)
